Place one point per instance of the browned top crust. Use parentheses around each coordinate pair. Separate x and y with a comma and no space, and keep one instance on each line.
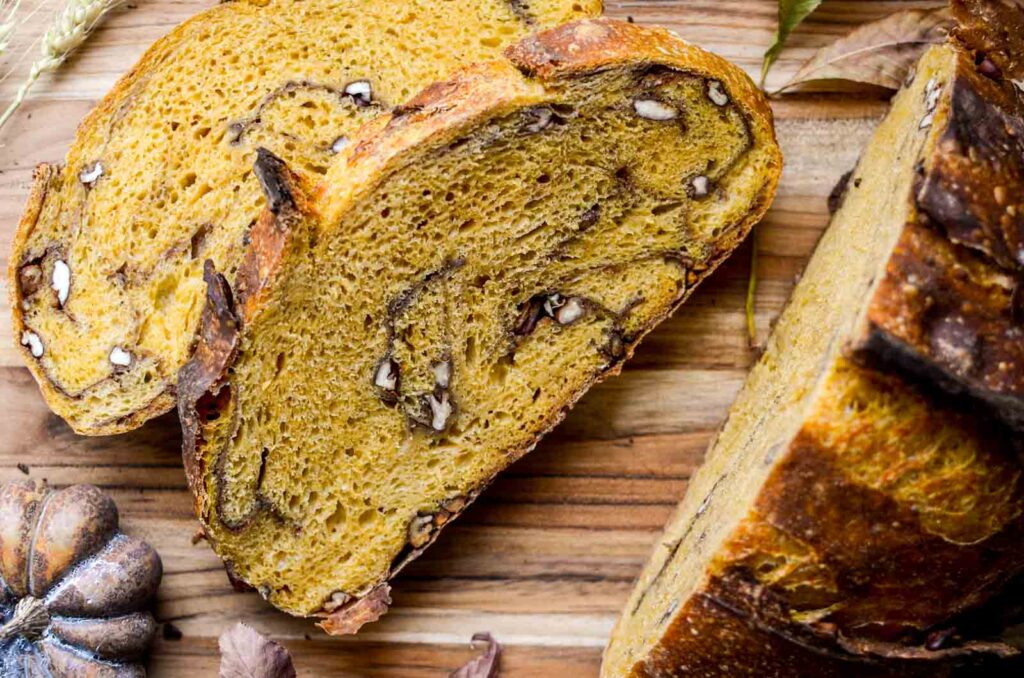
(740,619)
(876,546)
(950,318)
(972,188)
(949,308)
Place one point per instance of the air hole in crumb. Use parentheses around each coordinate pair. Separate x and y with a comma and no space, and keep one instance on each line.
(665,208)
(336,519)
(500,369)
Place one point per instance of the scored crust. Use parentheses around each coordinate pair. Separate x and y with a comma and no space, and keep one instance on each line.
(441,115)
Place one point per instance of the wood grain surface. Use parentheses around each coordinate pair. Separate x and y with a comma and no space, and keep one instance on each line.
(548,555)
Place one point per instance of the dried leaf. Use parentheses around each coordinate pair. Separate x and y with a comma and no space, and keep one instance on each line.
(791,14)
(350,618)
(69,30)
(880,52)
(484,666)
(244,653)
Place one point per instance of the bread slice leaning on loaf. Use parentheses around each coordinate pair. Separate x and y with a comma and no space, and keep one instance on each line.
(469,267)
(106,272)
(854,517)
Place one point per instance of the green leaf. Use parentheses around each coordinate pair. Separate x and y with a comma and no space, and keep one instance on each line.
(791,14)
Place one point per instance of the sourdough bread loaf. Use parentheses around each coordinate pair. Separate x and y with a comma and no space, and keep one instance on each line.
(860,512)
(106,272)
(471,264)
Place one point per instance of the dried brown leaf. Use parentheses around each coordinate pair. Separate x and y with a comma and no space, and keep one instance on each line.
(484,666)
(878,53)
(244,653)
(350,618)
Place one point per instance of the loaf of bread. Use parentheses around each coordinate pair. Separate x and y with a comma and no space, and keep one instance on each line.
(106,272)
(471,264)
(860,512)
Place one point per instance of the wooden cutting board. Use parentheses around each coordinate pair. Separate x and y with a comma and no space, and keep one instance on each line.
(547,557)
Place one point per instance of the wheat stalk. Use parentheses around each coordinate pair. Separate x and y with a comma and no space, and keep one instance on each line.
(7,23)
(69,30)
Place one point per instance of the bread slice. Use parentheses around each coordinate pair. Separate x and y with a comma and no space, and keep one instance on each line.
(468,268)
(106,273)
(851,518)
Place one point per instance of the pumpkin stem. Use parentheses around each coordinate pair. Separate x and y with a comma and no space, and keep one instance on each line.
(30,619)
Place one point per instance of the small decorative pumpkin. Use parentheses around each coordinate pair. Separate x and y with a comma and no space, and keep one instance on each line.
(74,589)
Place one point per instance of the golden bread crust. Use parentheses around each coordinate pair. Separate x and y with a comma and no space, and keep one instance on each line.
(439,115)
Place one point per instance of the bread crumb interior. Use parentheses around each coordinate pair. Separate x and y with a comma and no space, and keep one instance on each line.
(499,271)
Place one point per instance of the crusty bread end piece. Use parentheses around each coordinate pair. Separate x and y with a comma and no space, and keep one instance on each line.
(106,272)
(862,513)
(404,330)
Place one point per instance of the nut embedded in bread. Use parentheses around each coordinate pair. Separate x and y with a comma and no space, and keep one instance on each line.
(861,512)
(106,274)
(406,329)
